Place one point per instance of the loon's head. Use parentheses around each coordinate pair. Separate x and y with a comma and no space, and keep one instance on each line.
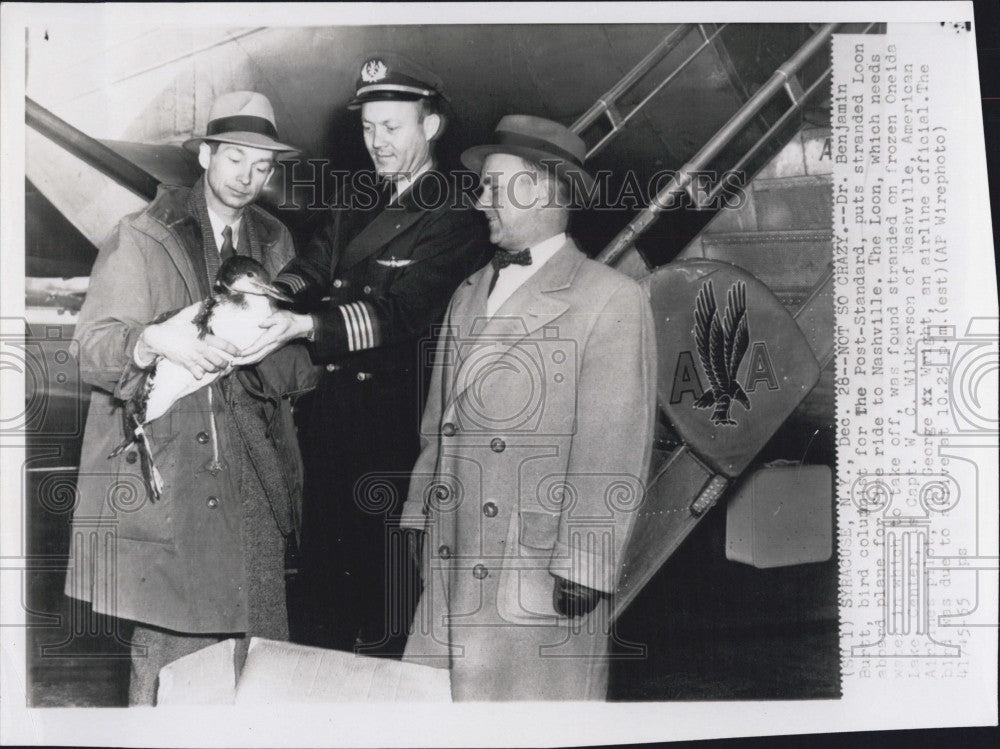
(241,274)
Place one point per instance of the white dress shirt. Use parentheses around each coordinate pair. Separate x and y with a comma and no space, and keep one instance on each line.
(514,276)
(218,225)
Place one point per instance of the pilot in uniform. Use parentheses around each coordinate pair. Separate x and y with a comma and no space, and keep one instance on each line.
(376,278)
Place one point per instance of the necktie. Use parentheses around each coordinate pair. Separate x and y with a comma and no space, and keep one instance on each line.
(502,258)
(227,250)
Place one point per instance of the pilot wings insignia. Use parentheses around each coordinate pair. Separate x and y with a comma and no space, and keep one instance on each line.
(394,262)
(722,342)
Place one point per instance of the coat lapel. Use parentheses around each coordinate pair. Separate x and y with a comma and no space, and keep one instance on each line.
(185,235)
(390,223)
(534,305)
(181,237)
(467,312)
(469,308)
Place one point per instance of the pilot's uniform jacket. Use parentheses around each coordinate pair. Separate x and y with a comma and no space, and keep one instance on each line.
(536,442)
(176,563)
(388,273)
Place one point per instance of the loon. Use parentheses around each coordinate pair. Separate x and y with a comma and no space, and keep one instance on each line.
(242,298)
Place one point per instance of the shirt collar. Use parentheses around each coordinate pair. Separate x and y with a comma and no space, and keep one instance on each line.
(403,183)
(218,224)
(512,277)
(547,248)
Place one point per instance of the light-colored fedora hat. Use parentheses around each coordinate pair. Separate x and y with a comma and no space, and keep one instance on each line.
(536,139)
(245,118)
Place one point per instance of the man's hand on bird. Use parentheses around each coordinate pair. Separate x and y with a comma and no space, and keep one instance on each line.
(572,599)
(175,339)
(280,328)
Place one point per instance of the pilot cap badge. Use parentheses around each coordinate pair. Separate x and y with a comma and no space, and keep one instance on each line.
(391,77)
(373,71)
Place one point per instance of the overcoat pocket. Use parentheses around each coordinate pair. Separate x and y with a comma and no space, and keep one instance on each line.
(537,530)
(526,583)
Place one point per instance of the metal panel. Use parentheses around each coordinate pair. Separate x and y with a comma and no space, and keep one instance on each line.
(664,521)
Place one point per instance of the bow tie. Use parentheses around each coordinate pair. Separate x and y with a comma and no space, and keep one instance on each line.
(502,258)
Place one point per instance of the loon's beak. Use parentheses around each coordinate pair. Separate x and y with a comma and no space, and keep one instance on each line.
(266,289)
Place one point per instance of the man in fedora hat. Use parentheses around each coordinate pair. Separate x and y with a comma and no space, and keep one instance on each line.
(375,279)
(536,440)
(206,559)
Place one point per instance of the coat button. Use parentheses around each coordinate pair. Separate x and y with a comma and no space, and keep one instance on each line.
(202,438)
(449,429)
(444,552)
(212,502)
(498,445)
(490,510)
(332,367)
(338,283)
(479,572)
(131,457)
(368,289)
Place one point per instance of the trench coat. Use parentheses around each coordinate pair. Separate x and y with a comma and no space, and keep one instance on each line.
(536,441)
(177,562)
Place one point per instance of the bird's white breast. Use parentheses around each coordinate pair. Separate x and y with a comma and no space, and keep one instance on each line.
(240,323)
(237,323)
(171,382)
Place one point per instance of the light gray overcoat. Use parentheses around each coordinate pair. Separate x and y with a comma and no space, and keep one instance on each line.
(536,441)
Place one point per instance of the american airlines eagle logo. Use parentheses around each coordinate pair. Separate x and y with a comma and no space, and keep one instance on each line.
(722,342)
(374,70)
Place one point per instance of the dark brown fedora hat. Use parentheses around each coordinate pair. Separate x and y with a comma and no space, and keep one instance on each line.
(539,140)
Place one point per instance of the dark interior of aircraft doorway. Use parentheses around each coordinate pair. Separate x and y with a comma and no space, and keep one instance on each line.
(732,592)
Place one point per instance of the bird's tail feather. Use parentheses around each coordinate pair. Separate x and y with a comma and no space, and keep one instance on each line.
(128,423)
(129,441)
(149,471)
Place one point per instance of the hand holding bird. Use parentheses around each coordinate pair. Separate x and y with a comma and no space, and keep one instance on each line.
(278,329)
(190,349)
(177,340)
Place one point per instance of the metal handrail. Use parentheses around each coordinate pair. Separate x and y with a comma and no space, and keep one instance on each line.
(90,151)
(679,183)
(769,134)
(646,64)
(606,103)
(798,103)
